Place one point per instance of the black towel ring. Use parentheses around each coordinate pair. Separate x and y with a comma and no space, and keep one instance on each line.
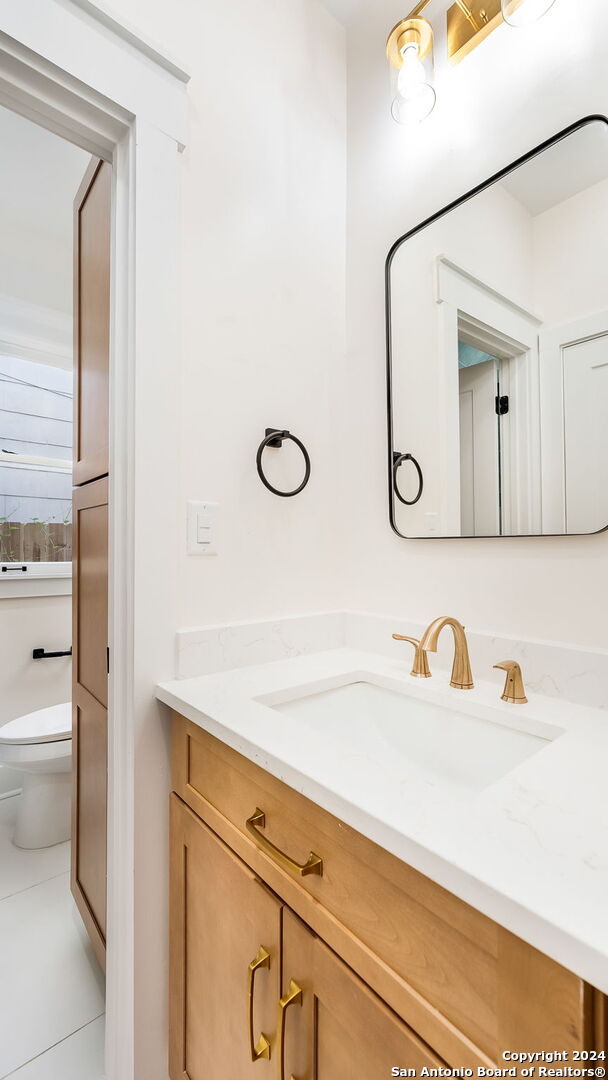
(398,460)
(274,439)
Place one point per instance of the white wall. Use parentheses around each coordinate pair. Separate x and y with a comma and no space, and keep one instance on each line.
(572,234)
(517,89)
(264,178)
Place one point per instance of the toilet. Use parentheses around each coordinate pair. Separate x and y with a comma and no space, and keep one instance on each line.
(40,745)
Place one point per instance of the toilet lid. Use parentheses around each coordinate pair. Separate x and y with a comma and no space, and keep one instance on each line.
(42,726)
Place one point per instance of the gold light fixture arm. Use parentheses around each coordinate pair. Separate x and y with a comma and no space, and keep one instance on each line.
(419,7)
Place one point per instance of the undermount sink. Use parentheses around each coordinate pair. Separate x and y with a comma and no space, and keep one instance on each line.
(417,739)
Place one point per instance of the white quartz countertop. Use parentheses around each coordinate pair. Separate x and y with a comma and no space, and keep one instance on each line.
(529,850)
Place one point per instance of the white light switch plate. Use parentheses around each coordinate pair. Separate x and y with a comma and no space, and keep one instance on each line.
(202,525)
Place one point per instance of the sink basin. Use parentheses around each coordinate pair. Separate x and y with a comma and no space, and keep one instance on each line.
(419,739)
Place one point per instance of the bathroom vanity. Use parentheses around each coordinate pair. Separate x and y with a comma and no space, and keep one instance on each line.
(334,914)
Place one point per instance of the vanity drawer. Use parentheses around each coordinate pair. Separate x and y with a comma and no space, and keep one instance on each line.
(469,987)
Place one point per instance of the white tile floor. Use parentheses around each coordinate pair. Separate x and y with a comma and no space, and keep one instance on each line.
(51,987)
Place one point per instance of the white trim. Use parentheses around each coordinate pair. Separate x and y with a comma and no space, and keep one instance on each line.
(10,794)
(99,65)
(32,332)
(39,464)
(70,67)
(456,285)
(36,570)
(37,585)
(107,16)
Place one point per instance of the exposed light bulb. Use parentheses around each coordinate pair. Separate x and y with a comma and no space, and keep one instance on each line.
(524,12)
(416,97)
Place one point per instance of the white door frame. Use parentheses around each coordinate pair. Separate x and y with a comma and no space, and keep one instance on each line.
(71,67)
(460,294)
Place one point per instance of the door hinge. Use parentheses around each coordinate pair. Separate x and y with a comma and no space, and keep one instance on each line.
(108,658)
(502,405)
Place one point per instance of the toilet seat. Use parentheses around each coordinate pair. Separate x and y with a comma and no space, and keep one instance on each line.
(53,724)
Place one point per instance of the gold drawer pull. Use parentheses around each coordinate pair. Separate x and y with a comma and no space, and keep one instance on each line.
(256,822)
(292,997)
(261,1049)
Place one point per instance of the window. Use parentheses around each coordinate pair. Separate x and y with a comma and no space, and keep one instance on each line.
(35,469)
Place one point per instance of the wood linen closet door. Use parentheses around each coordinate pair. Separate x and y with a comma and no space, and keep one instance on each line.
(224,920)
(90,707)
(92,232)
(336,1026)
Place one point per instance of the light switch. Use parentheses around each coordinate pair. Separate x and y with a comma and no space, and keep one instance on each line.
(431,522)
(202,522)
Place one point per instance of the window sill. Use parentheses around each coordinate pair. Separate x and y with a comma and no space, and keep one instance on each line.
(53,579)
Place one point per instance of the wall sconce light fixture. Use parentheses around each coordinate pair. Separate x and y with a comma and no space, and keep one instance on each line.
(524,12)
(410,53)
(410,47)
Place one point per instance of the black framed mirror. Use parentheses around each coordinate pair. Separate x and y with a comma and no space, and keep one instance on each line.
(497,352)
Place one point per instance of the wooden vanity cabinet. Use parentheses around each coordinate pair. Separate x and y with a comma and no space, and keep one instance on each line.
(393,970)
(334,1025)
(324,1022)
(222,916)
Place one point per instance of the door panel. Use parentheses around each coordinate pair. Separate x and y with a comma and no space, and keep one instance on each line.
(586,445)
(479,456)
(339,1027)
(221,914)
(90,588)
(89,814)
(89,701)
(92,218)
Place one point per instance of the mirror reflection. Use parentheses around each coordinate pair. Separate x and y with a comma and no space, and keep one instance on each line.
(498,358)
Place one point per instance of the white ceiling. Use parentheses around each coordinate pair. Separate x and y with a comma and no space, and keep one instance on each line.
(39,177)
(344,10)
(569,167)
(40,174)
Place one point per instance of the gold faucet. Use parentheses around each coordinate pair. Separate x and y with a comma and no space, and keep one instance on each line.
(514,691)
(462,677)
(420,667)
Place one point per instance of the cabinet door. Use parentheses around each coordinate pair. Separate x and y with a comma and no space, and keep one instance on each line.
(331,1024)
(225,959)
(92,231)
(89,707)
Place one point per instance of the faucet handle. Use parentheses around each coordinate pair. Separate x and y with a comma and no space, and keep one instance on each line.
(420,669)
(514,691)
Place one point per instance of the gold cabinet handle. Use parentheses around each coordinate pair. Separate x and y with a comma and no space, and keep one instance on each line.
(261,1049)
(292,997)
(256,822)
